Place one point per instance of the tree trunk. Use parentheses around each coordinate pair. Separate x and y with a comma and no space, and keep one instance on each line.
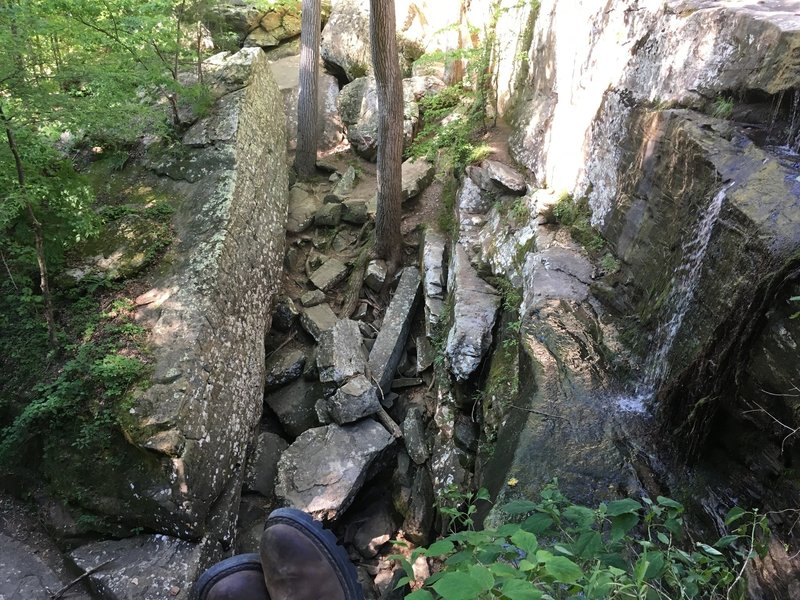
(386,65)
(38,236)
(305,158)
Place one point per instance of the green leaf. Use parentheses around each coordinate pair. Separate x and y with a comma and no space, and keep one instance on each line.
(726,540)
(537,523)
(663,538)
(622,524)
(458,586)
(420,595)
(563,569)
(518,507)
(439,548)
(709,550)
(483,576)
(502,569)
(656,565)
(508,529)
(664,501)
(517,589)
(640,568)
(458,558)
(562,550)
(525,541)
(734,514)
(621,507)
(580,515)
(525,565)
(588,544)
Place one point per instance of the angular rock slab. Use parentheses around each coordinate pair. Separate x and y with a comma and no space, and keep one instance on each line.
(474,313)
(318,319)
(341,353)
(284,367)
(356,399)
(145,567)
(332,272)
(302,208)
(506,177)
(262,466)
(389,345)
(435,282)
(417,174)
(321,472)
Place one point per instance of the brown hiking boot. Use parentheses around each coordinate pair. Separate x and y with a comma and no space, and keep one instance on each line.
(302,561)
(235,578)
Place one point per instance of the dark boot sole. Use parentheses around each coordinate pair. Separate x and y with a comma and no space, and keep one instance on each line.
(327,544)
(217,572)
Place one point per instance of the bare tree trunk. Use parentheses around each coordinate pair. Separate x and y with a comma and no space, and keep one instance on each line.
(305,158)
(38,236)
(386,65)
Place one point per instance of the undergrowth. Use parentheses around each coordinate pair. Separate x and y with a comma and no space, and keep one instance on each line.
(552,549)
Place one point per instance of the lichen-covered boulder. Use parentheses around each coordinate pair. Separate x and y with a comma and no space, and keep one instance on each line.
(207,310)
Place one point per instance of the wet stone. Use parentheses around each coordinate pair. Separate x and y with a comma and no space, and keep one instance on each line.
(391,341)
(340,355)
(283,367)
(332,272)
(317,319)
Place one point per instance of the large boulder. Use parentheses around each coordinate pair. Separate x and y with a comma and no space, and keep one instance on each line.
(330,131)
(358,109)
(206,312)
(321,472)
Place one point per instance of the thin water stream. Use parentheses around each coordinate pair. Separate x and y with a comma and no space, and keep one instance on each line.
(680,299)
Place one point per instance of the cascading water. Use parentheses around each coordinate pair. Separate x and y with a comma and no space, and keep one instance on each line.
(680,298)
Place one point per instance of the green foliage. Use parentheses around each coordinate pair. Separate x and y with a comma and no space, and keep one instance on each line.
(609,263)
(81,405)
(576,216)
(520,212)
(623,549)
(446,219)
(722,107)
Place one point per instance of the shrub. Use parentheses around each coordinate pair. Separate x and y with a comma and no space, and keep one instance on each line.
(623,549)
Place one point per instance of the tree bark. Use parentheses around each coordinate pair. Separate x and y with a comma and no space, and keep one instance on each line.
(305,158)
(38,236)
(386,66)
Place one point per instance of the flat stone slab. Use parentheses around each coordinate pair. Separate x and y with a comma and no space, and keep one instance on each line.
(417,174)
(389,345)
(317,319)
(435,283)
(341,354)
(506,177)
(321,472)
(145,567)
(332,272)
(312,298)
(474,313)
(355,211)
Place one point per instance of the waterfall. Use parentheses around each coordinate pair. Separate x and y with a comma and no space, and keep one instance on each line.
(680,299)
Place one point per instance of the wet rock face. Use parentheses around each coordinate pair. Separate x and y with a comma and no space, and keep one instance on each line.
(324,468)
(208,313)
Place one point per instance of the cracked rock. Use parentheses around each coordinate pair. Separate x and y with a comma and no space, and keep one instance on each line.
(341,354)
(356,399)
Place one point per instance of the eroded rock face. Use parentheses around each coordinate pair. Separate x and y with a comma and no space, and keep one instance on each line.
(321,472)
(209,312)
